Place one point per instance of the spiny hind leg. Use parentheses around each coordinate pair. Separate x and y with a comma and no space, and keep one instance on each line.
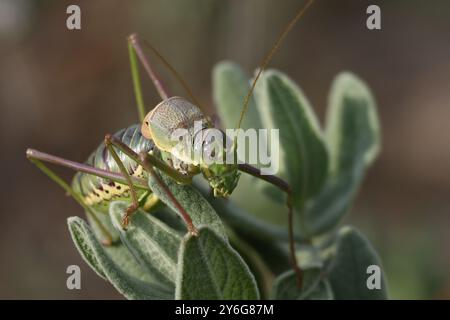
(35,158)
(136,45)
(134,48)
(81,167)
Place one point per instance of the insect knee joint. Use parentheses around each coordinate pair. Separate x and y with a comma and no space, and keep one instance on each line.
(108,138)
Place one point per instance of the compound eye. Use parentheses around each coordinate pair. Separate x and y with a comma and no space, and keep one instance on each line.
(209,140)
(212,137)
(212,143)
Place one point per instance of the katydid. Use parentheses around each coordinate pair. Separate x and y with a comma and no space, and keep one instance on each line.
(118,169)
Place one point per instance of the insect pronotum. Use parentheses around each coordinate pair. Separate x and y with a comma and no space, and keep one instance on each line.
(118,168)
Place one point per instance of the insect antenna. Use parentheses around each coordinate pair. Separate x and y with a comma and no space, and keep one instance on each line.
(255,171)
(147,66)
(136,43)
(174,73)
(269,56)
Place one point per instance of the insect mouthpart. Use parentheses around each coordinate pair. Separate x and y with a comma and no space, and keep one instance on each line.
(223,178)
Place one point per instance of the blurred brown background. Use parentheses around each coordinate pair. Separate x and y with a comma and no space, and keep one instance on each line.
(61,91)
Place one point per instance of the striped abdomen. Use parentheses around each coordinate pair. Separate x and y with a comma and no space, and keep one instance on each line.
(98,192)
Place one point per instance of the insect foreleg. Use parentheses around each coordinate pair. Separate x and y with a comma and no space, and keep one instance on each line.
(283,185)
(135,203)
(53,176)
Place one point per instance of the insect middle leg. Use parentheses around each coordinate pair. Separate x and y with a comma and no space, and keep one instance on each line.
(148,161)
(134,198)
(284,186)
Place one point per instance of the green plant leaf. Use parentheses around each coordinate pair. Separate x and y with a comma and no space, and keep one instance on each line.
(242,221)
(314,287)
(192,201)
(152,243)
(303,155)
(118,252)
(266,238)
(326,210)
(103,217)
(353,130)
(230,86)
(102,262)
(85,248)
(209,268)
(353,139)
(348,272)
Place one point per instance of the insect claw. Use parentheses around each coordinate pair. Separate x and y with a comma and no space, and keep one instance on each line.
(30,153)
(108,138)
(193,230)
(125,222)
(132,37)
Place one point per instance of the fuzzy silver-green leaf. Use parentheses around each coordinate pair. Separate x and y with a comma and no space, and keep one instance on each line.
(302,150)
(209,268)
(348,274)
(200,211)
(230,86)
(96,256)
(314,286)
(152,243)
(353,139)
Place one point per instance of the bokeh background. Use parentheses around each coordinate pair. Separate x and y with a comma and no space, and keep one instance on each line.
(61,91)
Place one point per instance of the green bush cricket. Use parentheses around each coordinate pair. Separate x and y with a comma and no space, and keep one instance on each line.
(118,168)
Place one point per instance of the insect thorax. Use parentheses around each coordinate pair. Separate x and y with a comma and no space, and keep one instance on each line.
(171,119)
(183,133)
